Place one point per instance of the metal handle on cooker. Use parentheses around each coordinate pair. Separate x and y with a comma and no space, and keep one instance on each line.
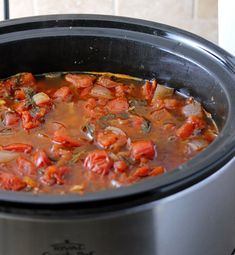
(6,9)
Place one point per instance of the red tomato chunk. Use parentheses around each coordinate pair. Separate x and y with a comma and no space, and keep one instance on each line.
(80,80)
(121,166)
(60,136)
(142,149)
(25,166)
(10,181)
(40,158)
(18,147)
(63,94)
(141,171)
(55,174)
(11,119)
(98,162)
(117,105)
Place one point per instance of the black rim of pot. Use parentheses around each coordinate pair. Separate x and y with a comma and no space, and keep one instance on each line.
(202,166)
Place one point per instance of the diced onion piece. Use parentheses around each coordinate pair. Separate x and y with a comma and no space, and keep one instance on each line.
(162,91)
(193,108)
(113,156)
(116,184)
(30,182)
(6,156)
(115,130)
(88,130)
(41,98)
(197,144)
(2,102)
(101,92)
(77,188)
(107,82)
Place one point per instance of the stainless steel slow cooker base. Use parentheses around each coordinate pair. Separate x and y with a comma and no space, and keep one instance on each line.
(191,222)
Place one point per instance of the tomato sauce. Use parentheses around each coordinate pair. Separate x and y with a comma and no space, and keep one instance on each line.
(75,133)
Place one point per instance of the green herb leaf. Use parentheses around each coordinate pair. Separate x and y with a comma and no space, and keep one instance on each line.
(124,115)
(29,102)
(28,91)
(137,102)
(34,110)
(146,126)
(109,116)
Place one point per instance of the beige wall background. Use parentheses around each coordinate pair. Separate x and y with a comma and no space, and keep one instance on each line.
(197,16)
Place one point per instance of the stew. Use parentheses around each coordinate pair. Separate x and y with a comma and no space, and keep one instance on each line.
(85,132)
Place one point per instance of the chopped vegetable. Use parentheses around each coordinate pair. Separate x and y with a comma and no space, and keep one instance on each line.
(120,166)
(7,156)
(2,102)
(105,139)
(185,131)
(193,108)
(141,171)
(146,126)
(89,131)
(197,144)
(63,94)
(18,147)
(157,171)
(26,79)
(77,156)
(101,92)
(112,137)
(198,122)
(121,90)
(55,175)
(31,183)
(77,188)
(25,166)
(162,92)
(61,136)
(116,130)
(117,105)
(28,122)
(107,82)
(99,162)
(172,104)
(29,93)
(85,93)
(41,98)
(115,184)
(148,89)
(137,102)
(11,119)
(109,116)
(40,158)
(80,80)
(9,181)
(142,149)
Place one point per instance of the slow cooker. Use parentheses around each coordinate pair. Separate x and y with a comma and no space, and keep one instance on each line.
(187,211)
